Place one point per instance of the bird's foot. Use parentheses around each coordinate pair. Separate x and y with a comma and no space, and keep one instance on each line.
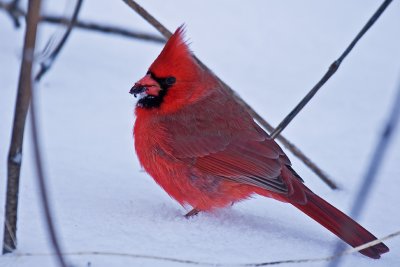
(191,213)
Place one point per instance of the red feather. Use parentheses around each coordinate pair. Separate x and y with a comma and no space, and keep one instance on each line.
(205,150)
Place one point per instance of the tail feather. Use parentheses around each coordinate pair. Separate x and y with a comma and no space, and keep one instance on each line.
(340,224)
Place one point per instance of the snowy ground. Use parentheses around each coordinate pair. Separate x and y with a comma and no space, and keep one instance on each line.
(271,52)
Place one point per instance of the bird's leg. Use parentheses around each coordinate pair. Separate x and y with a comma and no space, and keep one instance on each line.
(191,213)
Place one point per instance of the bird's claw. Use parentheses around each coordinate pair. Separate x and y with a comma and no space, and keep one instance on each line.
(191,213)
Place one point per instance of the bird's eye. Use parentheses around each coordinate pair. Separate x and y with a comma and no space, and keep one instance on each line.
(170,80)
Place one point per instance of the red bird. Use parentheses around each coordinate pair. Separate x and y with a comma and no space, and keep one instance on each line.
(205,150)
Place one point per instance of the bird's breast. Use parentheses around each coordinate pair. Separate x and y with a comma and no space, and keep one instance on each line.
(180,179)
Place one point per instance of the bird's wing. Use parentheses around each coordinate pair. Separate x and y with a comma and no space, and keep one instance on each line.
(218,137)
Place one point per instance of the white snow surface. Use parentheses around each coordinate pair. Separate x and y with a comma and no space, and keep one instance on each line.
(271,53)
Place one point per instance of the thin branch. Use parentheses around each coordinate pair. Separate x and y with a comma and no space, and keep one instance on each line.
(332,70)
(46,65)
(149,18)
(87,25)
(12,236)
(41,179)
(24,96)
(12,9)
(191,262)
(374,166)
(92,26)
(21,109)
(291,147)
(34,7)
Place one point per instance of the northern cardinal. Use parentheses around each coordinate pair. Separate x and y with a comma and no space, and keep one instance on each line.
(205,150)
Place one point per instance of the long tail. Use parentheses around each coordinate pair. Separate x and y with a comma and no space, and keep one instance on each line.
(340,224)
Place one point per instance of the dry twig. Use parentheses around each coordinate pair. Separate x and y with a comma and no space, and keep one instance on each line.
(24,96)
(50,227)
(86,25)
(46,64)
(332,70)
(21,109)
(32,23)
(291,147)
(92,26)
(13,12)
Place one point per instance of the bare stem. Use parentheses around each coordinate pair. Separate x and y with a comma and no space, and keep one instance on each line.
(41,179)
(24,96)
(21,109)
(86,25)
(46,65)
(97,27)
(13,12)
(34,14)
(332,70)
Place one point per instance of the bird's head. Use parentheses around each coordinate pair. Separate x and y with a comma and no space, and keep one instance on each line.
(171,80)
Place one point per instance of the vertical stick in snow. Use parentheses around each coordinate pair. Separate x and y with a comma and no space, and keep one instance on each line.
(21,109)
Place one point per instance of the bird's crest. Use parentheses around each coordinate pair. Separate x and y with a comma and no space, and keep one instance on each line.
(173,56)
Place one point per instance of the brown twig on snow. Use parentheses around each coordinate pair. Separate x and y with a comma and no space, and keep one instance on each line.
(27,84)
(291,147)
(21,109)
(332,70)
(86,25)
(24,96)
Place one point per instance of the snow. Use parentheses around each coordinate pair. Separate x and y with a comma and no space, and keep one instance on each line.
(272,53)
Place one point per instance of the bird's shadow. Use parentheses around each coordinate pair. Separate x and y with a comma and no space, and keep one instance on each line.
(243,221)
